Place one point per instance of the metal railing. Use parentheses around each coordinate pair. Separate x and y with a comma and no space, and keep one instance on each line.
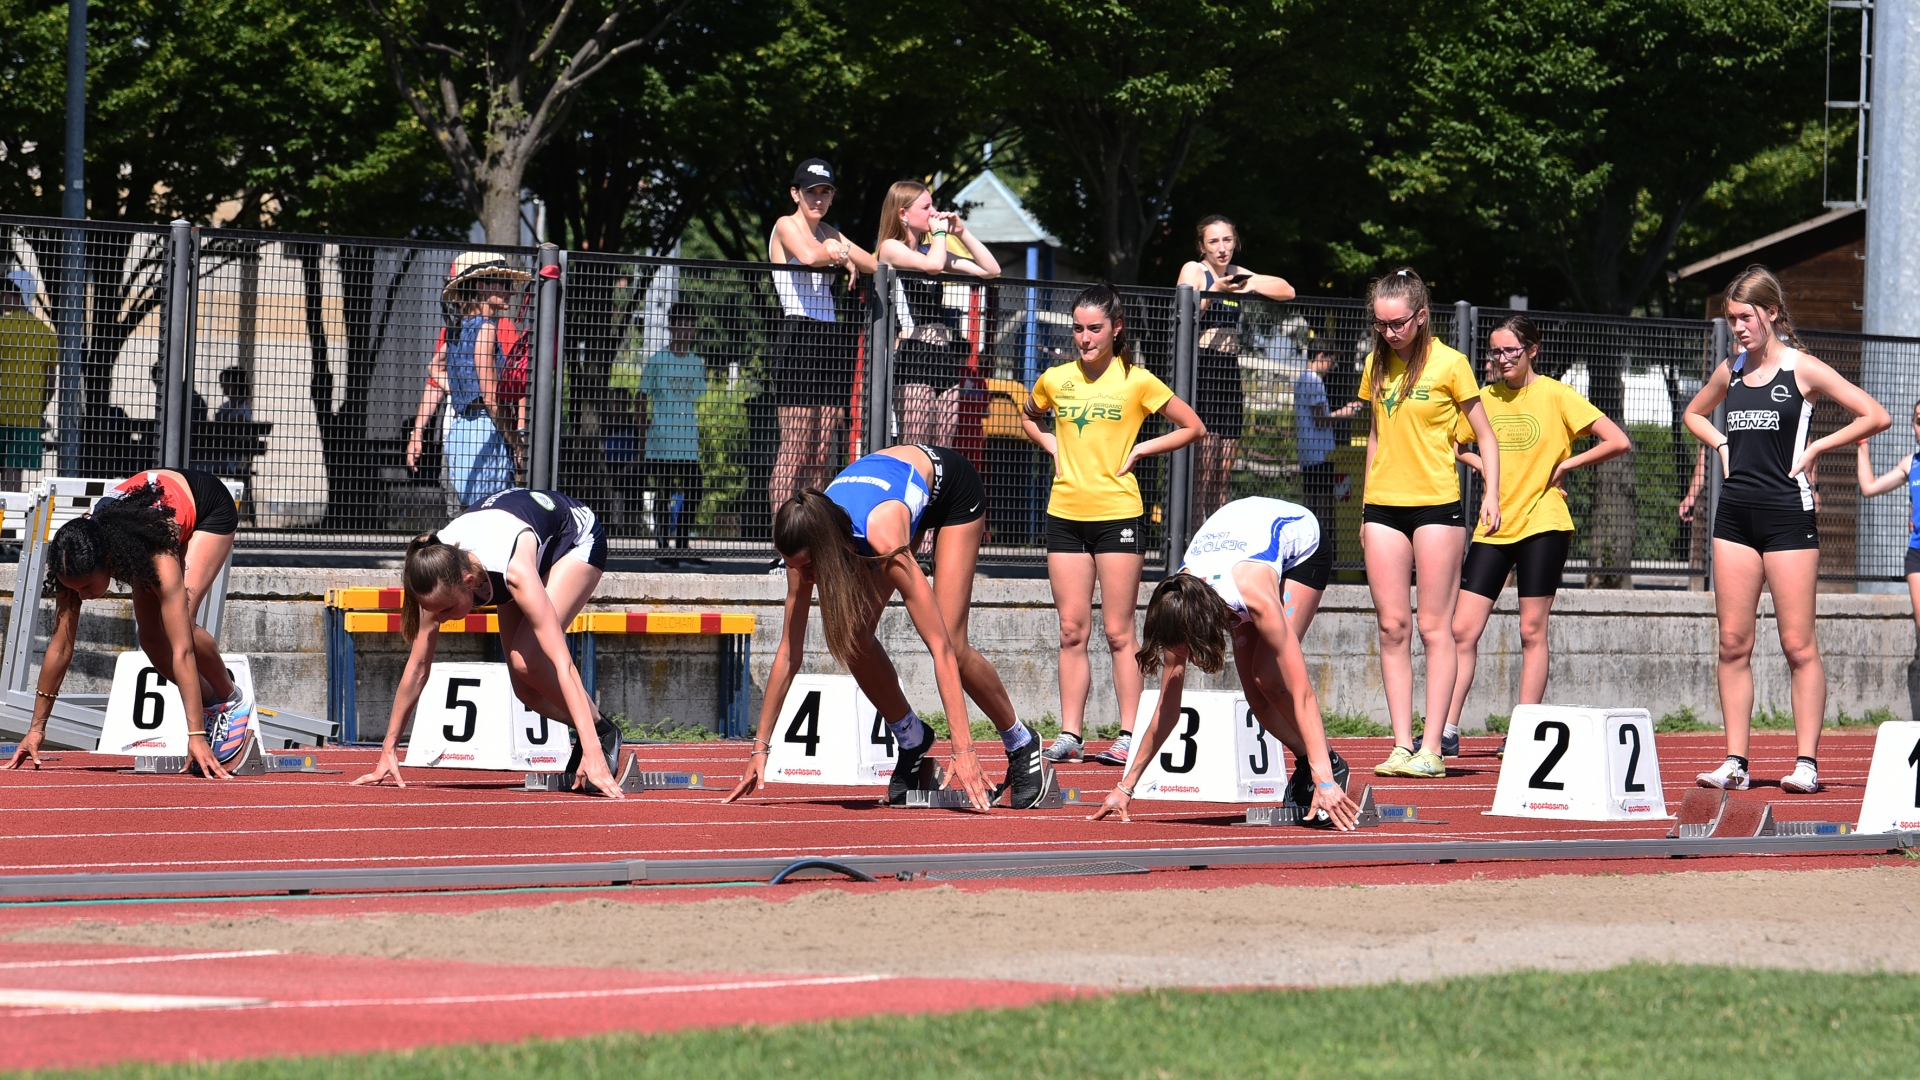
(683,399)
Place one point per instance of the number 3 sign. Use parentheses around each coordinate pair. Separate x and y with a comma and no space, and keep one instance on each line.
(1581,764)
(144,717)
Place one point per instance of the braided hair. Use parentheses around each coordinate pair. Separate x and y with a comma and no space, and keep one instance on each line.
(120,536)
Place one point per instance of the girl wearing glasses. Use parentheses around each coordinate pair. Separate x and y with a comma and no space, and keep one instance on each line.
(1411,528)
(1764,531)
(1537,420)
(1902,475)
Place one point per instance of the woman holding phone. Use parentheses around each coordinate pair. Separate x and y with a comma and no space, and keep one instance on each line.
(916,237)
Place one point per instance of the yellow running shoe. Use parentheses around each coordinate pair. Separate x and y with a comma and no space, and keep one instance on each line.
(1395,762)
(1426,765)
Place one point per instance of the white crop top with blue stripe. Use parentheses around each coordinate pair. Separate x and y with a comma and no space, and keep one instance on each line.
(1275,532)
(875,479)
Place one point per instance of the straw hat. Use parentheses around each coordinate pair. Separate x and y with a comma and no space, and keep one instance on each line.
(470,266)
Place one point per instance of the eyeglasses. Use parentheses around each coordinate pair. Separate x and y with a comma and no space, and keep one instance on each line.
(1506,354)
(1394,326)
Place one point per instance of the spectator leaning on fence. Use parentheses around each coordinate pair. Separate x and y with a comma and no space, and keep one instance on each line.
(1217,394)
(1537,419)
(671,386)
(1764,527)
(482,442)
(916,237)
(1094,513)
(813,354)
(506,340)
(1901,475)
(1315,427)
(1411,528)
(29,355)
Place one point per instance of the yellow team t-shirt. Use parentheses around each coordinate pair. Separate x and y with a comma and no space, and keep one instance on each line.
(1095,424)
(1413,462)
(1536,426)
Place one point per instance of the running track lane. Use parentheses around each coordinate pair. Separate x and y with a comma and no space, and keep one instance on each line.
(302,1005)
(82,815)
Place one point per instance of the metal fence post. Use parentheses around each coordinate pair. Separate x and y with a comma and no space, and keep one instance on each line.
(1466,331)
(1463,328)
(546,345)
(1180,467)
(882,329)
(1722,343)
(70,299)
(176,396)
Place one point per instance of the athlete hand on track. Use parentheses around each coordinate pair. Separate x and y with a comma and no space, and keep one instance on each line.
(594,771)
(1116,803)
(1328,798)
(967,775)
(200,753)
(755,775)
(29,750)
(389,766)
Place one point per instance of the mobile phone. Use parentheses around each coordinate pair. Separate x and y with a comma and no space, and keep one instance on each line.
(1239,279)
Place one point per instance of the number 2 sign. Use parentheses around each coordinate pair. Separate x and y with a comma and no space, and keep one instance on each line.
(1582,764)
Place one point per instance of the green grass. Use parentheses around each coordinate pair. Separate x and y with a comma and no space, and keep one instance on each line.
(1636,1021)
(1497,724)
(661,730)
(1680,721)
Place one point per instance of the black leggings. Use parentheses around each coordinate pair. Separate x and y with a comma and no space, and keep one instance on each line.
(1538,558)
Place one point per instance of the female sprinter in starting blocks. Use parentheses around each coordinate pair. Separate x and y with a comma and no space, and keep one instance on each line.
(856,540)
(165,534)
(536,556)
(1234,581)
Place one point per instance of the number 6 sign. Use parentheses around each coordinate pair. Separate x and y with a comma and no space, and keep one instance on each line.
(144,717)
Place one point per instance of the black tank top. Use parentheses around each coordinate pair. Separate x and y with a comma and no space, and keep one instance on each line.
(1215,310)
(1766,434)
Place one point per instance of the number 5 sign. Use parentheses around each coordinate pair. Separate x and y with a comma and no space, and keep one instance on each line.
(1581,764)
(144,717)
(469,718)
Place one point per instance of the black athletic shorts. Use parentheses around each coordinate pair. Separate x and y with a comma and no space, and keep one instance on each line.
(1218,397)
(1118,537)
(1913,560)
(1538,558)
(1409,519)
(813,363)
(1316,569)
(1766,530)
(956,495)
(213,509)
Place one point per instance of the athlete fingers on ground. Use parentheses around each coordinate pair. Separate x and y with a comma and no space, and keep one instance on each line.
(743,789)
(21,757)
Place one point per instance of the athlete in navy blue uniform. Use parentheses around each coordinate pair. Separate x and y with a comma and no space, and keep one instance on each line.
(537,556)
(1764,531)
(856,540)
(1901,475)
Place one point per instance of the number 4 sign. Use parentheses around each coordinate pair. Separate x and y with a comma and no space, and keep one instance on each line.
(1892,802)
(1581,764)
(144,717)
(829,733)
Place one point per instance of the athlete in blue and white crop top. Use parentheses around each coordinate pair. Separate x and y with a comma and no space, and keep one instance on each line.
(954,497)
(1275,532)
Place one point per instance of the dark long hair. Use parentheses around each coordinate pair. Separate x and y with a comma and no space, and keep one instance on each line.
(1101,297)
(817,525)
(1402,284)
(431,563)
(121,536)
(1200,233)
(1185,611)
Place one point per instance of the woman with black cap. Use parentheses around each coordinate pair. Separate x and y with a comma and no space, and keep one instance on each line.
(814,353)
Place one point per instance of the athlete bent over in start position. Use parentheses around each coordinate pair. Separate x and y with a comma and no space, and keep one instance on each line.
(1232,581)
(536,556)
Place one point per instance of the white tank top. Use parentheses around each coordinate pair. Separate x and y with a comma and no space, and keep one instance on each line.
(1275,532)
(808,294)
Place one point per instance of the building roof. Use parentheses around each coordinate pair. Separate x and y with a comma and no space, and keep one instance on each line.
(1784,248)
(994,214)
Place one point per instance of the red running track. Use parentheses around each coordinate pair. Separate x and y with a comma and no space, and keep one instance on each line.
(82,815)
(74,1006)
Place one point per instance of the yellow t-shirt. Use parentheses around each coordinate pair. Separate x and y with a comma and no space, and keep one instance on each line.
(1413,462)
(1095,425)
(28,353)
(1536,426)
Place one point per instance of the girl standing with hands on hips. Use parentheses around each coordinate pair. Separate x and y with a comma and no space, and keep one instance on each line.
(1094,514)
(1411,528)
(1537,419)
(1764,530)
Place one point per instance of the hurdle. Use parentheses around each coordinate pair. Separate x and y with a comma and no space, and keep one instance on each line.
(76,718)
(370,610)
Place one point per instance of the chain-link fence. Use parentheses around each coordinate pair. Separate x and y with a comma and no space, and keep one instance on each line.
(366,389)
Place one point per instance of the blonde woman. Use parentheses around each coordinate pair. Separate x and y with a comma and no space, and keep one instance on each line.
(916,237)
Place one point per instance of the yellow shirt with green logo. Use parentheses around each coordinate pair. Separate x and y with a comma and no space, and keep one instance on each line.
(28,353)
(1413,462)
(1095,425)
(1536,426)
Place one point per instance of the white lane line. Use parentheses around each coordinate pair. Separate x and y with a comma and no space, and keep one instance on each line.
(72,1001)
(109,961)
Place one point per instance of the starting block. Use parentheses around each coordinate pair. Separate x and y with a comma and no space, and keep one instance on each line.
(1372,813)
(956,799)
(1217,752)
(1580,764)
(829,733)
(251,762)
(1892,801)
(629,778)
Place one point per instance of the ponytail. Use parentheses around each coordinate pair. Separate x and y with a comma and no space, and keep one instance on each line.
(1402,284)
(431,563)
(1756,285)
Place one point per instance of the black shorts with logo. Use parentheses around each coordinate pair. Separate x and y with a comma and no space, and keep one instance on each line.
(1117,537)
(1764,529)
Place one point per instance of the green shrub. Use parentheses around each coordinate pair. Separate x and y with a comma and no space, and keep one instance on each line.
(1497,725)
(1681,721)
(1352,725)
(661,730)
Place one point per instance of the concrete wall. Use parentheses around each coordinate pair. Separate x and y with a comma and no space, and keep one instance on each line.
(1651,649)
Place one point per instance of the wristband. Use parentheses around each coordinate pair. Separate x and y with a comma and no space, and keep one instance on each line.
(1326,784)
(202,733)
(1124,789)
(44,694)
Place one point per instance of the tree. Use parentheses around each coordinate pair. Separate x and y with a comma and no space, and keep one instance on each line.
(516,69)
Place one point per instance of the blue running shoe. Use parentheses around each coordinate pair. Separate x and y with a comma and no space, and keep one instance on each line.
(228,725)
